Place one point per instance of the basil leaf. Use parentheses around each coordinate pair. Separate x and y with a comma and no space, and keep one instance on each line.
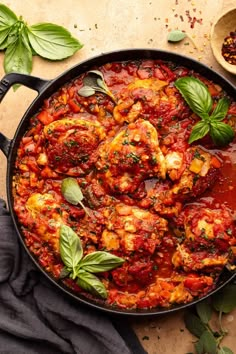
(52,42)
(64,273)
(176,36)
(221,133)
(86,91)
(225,300)
(71,249)
(199,347)
(199,131)
(91,283)
(196,94)
(72,193)
(102,84)
(7,16)
(97,73)
(208,342)
(194,324)
(91,78)
(225,350)
(18,56)
(204,311)
(4,33)
(100,261)
(95,81)
(221,109)
(71,190)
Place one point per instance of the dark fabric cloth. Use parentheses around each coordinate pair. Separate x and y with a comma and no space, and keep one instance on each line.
(36,317)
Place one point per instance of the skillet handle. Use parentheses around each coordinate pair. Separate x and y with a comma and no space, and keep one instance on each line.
(32,82)
(5,144)
(6,83)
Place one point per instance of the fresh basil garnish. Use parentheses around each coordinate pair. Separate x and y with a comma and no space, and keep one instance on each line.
(208,343)
(71,249)
(221,109)
(196,95)
(51,41)
(199,99)
(72,193)
(204,311)
(91,283)
(199,131)
(64,273)
(100,261)
(200,323)
(7,16)
(81,269)
(225,300)
(221,133)
(7,20)
(17,49)
(94,82)
(21,41)
(194,324)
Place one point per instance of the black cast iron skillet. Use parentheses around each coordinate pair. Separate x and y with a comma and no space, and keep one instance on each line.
(47,88)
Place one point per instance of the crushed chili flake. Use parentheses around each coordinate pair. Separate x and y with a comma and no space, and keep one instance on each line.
(192,20)
(229,48)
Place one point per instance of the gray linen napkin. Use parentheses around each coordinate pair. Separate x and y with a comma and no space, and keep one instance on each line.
(37,318)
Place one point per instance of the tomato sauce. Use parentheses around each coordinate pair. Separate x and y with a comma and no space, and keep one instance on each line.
(165,206)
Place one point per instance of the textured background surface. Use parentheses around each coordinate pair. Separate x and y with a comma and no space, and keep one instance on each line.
(107,25)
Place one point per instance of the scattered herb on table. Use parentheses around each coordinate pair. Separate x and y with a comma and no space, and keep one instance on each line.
(199,322)
(94,82)
(82,268)
(178,35)
(199,99)
(21,41)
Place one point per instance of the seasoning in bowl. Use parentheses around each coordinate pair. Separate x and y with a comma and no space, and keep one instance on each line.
(223,40)
(229,48)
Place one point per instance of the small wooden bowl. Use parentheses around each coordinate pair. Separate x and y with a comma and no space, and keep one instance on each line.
(222,27)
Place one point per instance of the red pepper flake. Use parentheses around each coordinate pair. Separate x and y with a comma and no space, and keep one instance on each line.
(176,2)
(192,20)
(181,17)
(229,48)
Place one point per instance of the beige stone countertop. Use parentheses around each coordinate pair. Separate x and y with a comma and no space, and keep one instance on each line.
(104,26)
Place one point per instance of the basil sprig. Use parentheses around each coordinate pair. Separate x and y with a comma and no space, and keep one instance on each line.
(72,193)
(199,322)
(81,268)
(199,99)
(94,82)
(20,41)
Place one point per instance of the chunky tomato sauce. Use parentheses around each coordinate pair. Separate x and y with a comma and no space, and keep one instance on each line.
(165,206)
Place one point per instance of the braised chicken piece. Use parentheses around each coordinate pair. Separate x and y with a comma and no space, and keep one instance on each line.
(201,169)
(207,238)
(71,143)
(151,98)
(130,157)
(190,174)
(44,218)
(132,229)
